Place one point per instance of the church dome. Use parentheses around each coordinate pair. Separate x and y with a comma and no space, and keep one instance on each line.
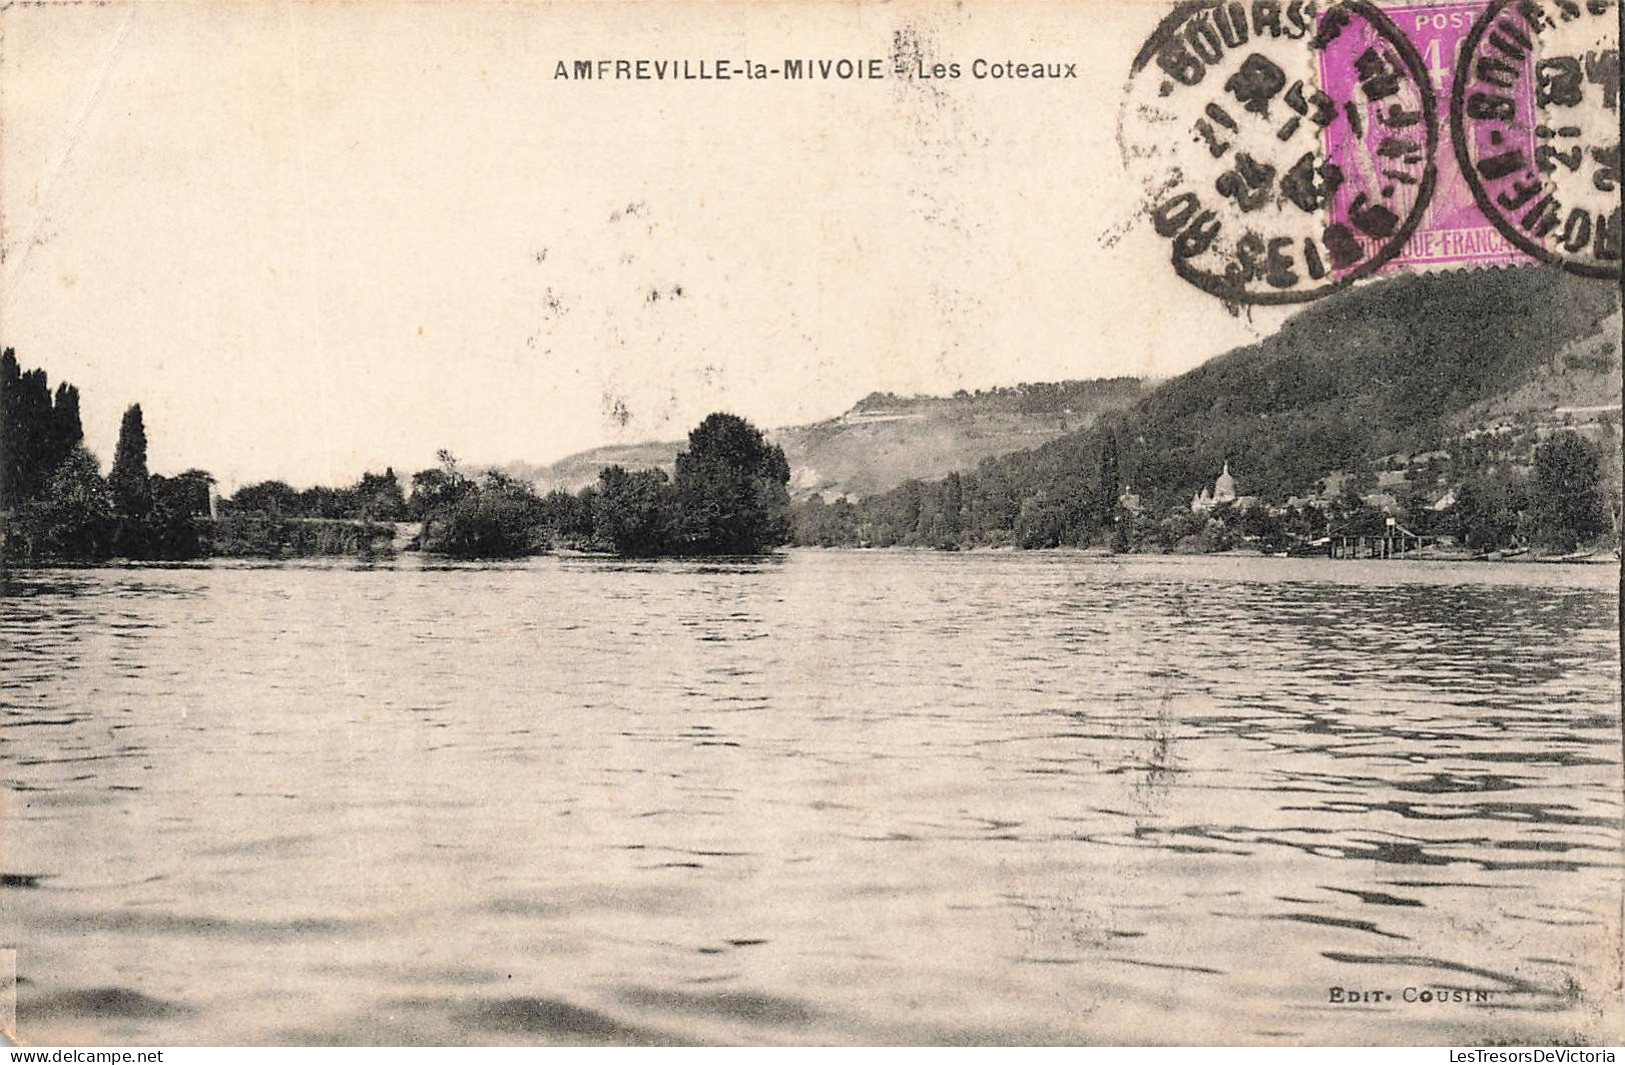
(1225,487)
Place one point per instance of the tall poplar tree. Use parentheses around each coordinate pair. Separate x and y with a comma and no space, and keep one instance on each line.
(132,494)
(1110,479)
(36,435)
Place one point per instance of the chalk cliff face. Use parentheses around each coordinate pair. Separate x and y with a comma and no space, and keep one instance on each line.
(885,439)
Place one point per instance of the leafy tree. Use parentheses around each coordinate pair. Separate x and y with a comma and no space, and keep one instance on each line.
(1568,507)
(1259,526)
(842,524)
(275,498)
(179,523)
(878,534)
(321,501)
(496,519)
(438,490)
(1488,512)
(378,497)
(72,518)
(569,516)
(818,523)
(1041,523)
(993,501)
(732,490)
(897,514)
(635,513)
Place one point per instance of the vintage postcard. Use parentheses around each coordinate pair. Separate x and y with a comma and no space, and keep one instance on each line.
(811,522)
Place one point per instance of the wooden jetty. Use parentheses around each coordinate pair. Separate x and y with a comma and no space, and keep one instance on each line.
(1395,541)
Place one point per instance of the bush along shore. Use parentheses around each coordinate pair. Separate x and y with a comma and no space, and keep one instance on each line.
(263,536)
(728,496)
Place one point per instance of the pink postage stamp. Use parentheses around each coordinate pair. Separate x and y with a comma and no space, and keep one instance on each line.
(1452,228)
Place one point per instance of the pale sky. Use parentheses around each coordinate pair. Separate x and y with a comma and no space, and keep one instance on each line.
(320,237)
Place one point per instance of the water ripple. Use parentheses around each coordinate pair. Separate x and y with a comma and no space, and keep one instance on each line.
(827,798)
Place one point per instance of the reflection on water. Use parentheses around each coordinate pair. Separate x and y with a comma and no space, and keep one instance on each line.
(826,798)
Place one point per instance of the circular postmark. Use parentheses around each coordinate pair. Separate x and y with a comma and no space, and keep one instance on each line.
(1534,119)
(1286,147)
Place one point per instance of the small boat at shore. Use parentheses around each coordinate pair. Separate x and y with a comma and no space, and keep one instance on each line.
(1320,548)
(1592,557)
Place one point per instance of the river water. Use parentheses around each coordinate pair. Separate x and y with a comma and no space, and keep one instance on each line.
(827,797)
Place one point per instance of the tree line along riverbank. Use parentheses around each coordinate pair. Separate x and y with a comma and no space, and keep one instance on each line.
(728,494)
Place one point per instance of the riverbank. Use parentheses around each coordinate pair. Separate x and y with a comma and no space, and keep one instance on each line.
(1598,556)
(262,538)
(259,536)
